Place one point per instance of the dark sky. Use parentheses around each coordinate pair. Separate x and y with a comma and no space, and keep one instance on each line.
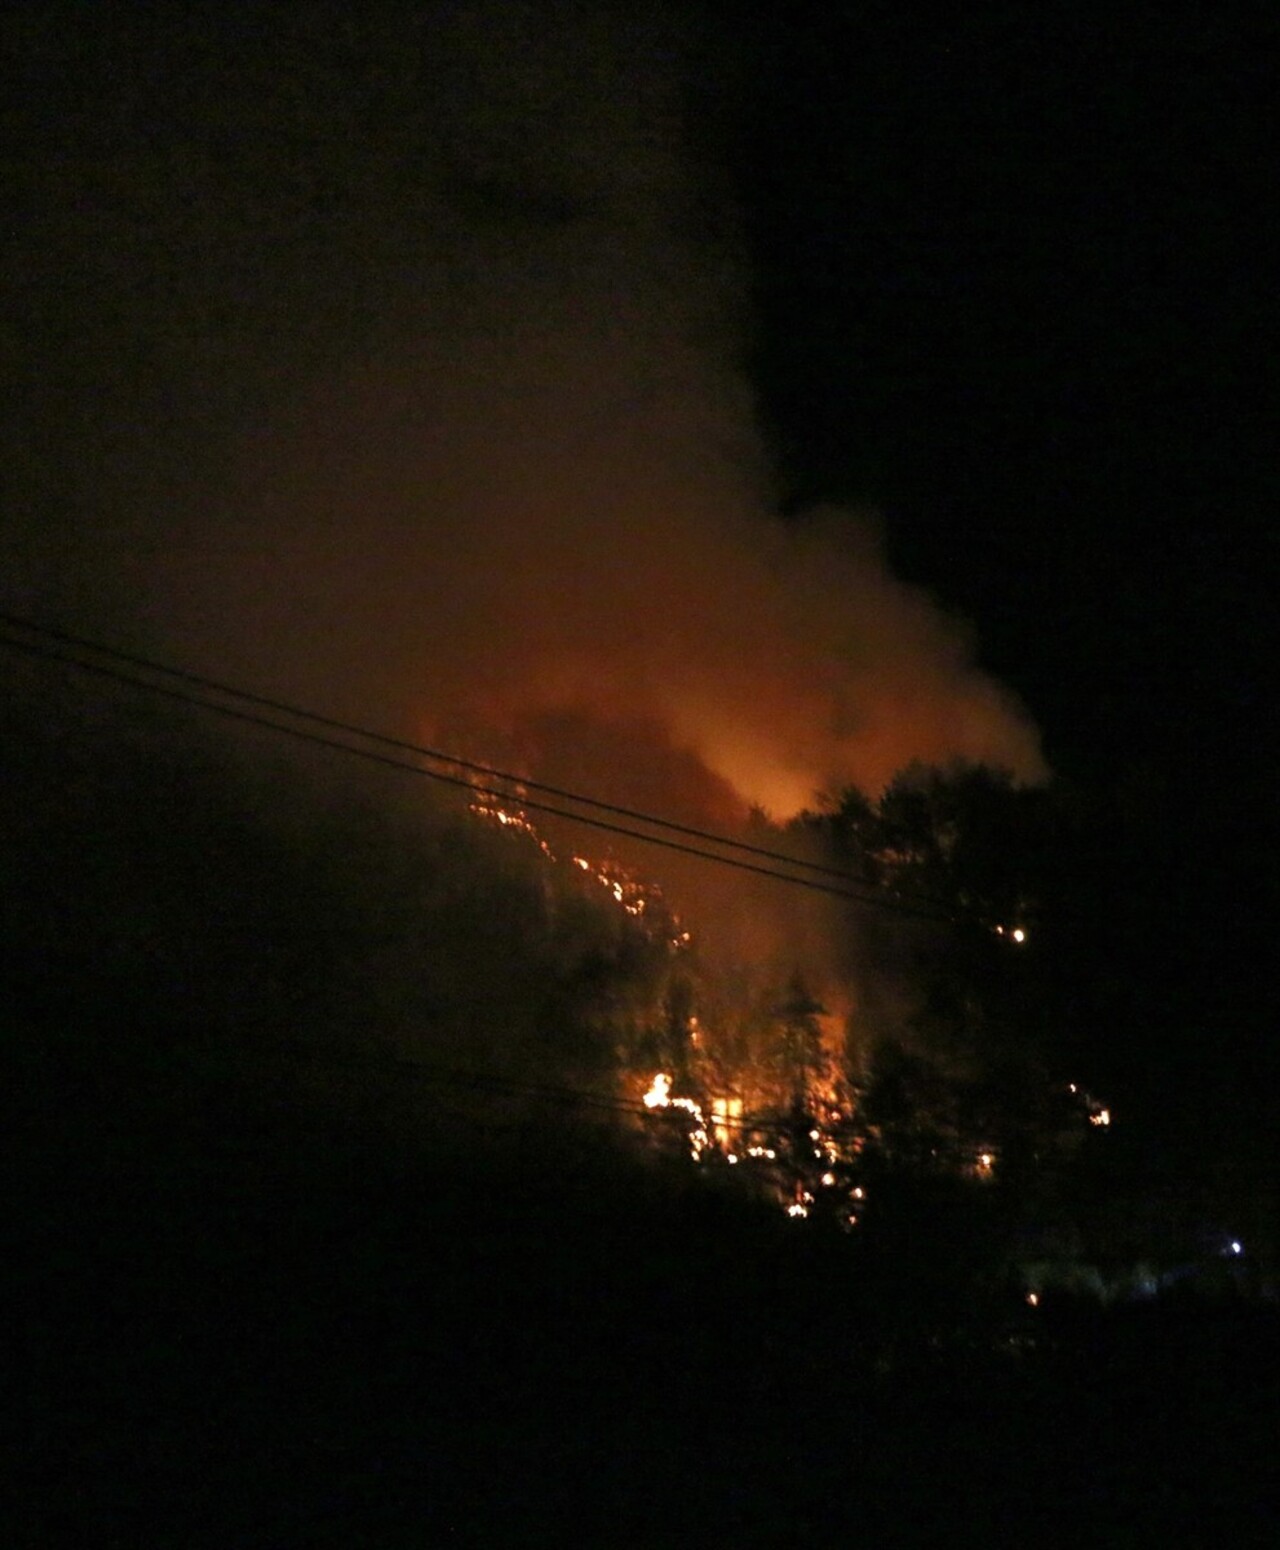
(1014,283)
(1014,274)
(601,293)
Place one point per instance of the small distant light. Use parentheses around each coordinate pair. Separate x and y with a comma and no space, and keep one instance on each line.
(797,1210)
(859,1193)
(828,1179)
(1033,1298)
(1018,934)
(1236,1246)
(733,1157)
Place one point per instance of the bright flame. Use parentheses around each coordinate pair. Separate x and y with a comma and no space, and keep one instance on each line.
(726,1116)
(659,1097)
(659,1094)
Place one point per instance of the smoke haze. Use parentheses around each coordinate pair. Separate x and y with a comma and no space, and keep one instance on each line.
(392,366)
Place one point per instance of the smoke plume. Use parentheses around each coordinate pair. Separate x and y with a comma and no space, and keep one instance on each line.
(392,366)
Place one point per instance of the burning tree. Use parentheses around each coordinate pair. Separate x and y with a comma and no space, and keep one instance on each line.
(946,1067)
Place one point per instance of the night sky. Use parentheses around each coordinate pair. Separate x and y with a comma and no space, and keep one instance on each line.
(1014,286)
(337,346)
(1038,254)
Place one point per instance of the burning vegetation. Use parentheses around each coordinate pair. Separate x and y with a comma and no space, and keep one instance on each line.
(740,1064)
(365,948)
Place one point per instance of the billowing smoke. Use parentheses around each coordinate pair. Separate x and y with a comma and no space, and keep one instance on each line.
(390,367)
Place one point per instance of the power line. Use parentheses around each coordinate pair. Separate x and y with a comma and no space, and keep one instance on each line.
(894,903)
(491,772)
(253,719)
(435,1074)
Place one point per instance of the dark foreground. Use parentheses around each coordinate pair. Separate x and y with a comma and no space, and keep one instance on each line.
(282,1333)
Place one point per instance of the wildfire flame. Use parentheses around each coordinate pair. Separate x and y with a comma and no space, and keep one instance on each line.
(786,1163)
(781,1169)
(487,807)
(623,888)
(1099,1113)
(659,1097)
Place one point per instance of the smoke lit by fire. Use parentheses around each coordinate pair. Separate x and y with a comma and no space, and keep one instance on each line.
(476,460)
(431,417)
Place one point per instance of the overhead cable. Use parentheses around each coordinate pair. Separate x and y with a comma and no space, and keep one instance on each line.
(851,889)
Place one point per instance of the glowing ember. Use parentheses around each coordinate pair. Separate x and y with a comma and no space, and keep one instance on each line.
(623,888)
(487,807)
(1099,1114)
